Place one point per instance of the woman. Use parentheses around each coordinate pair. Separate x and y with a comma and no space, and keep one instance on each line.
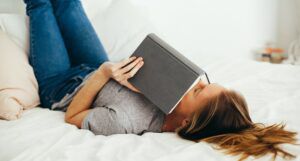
(75,75)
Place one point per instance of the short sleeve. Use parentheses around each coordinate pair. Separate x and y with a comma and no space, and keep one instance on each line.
(103,121)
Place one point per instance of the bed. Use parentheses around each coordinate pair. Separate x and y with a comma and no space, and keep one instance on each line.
(271,90)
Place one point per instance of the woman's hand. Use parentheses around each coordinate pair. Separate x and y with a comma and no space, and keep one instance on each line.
(123,70)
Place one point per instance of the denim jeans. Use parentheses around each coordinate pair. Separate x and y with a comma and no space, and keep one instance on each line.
(64,47)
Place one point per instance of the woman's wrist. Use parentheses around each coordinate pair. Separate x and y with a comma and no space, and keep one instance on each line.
(99,77)
(102,72)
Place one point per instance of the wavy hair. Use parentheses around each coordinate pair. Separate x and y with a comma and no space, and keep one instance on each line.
(225,122)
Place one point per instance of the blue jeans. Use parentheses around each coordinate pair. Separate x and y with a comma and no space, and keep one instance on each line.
(64,47)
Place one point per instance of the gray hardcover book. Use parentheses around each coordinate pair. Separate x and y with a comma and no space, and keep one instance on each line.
(166,75)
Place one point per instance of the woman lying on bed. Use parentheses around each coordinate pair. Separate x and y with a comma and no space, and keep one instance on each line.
(75,75)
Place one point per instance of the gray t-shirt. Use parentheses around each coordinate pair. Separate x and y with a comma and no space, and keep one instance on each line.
(118,110)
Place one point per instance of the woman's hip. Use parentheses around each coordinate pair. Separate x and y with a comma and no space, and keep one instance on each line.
(54,88)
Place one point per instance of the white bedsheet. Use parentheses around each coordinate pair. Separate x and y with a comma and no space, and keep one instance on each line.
(272,91)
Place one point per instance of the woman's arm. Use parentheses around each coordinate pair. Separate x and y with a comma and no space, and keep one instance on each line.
(82,101)
(79,107)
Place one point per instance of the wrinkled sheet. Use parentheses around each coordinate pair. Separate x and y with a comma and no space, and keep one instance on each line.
(272,92)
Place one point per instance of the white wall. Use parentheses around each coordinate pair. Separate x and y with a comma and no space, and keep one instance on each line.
(230,28)
(221,28)
(288,22)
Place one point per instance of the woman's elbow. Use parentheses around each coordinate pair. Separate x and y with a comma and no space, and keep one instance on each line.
(73,121)
(67,119)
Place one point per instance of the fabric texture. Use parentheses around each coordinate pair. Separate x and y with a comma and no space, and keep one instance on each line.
(18,85)
(272,92)
(121,27)
(118,110)
(109,18)
(16,26)
(66,100)
(64,47)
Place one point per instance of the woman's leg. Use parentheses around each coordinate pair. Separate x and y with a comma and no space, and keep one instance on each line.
(48,55)
(81,40)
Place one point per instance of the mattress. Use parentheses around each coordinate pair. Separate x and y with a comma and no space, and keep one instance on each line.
(272,92)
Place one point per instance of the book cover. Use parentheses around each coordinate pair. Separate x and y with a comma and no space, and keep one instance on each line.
(166,74)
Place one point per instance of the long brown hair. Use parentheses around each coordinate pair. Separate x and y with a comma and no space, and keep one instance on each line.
(225,122)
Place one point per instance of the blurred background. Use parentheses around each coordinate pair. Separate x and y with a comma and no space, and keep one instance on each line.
(231,28)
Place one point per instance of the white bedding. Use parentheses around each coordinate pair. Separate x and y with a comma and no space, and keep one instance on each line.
(272,91)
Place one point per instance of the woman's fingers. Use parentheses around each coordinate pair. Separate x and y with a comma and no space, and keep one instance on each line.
(131,65)
(126,69)
(125,62)
(121,77)
(120,73)
(134,70)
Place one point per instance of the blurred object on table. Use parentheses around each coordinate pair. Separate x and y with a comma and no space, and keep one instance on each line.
(270,53)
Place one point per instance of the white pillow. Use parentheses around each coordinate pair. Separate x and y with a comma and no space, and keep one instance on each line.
(121,28)
(120,25)
(18,85)
(95,7)
(16,26)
